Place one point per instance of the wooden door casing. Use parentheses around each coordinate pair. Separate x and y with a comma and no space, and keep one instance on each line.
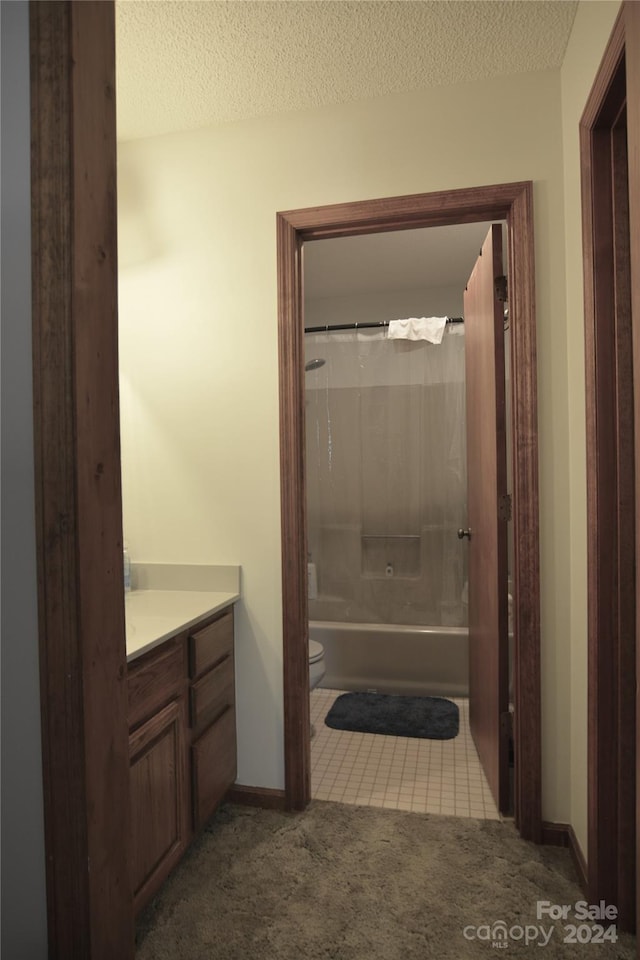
(78,480)
(512,202)
(610,160)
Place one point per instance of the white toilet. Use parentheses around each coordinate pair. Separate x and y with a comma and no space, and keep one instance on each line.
(316,668)
(316,663)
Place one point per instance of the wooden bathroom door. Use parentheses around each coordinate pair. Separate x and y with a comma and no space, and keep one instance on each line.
(487,522)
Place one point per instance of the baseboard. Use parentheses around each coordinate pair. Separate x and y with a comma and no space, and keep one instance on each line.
(579,861)
(563,835)
(264,797)
(555,834)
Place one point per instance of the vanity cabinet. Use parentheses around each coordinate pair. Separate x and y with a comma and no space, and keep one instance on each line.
(182,745)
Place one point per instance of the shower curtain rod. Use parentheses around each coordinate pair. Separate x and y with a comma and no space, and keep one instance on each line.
(363,326)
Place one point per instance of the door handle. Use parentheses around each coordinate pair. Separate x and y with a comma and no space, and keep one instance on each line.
(464,533)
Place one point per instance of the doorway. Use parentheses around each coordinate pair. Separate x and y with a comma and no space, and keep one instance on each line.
(391,598)
(386,451)
(513,203)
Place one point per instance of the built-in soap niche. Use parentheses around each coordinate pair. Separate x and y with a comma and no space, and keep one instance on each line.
(390,557)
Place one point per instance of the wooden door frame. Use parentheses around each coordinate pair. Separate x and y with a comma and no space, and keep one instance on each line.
(613,667)
(77,479)
(512,202)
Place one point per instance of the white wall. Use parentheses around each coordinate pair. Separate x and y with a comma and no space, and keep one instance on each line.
(199,345)
(592,28)
(383,305)
(24,919)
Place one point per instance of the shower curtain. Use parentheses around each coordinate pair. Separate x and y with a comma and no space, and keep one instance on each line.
(386,478)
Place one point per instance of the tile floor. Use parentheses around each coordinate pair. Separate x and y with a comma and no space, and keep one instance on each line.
(404,773)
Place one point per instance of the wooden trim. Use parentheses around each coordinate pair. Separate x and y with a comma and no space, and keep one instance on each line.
(600,448)
(512,202)
(625,528)
(555,834)
(404,213)
(563,835)
(524,405)
(294,529)
(632,46)
(78,501)
(264,797)
(611,487)
(632,61)
(606,73)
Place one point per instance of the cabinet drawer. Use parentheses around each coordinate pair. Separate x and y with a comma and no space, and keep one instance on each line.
(155,680)
(212,694)
(213,766)
(211,644)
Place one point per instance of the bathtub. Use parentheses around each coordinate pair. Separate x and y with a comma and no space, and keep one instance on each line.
(428,661)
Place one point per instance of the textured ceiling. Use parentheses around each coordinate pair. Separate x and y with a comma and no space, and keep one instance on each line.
(183,64)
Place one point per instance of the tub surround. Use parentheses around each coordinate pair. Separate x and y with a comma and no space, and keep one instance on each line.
(393,658)
(167,599)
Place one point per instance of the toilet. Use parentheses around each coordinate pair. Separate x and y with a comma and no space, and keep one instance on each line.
(316,669)
(316,663)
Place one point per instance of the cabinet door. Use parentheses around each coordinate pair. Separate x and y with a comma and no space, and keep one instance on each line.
(213,766)
(159,803)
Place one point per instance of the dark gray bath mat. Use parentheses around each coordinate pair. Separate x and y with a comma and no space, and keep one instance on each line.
(430,718)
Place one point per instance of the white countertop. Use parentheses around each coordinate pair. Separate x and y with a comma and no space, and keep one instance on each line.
(168,598)
(153,616)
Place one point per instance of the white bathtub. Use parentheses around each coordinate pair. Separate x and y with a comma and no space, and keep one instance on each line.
(429,661)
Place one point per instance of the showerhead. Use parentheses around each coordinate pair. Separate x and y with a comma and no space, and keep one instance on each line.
(314,364)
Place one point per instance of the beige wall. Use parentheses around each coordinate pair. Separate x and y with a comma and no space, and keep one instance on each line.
(384,305)
(199,345)
(591,31)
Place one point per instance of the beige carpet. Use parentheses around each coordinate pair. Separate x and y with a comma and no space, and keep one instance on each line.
(354,883)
